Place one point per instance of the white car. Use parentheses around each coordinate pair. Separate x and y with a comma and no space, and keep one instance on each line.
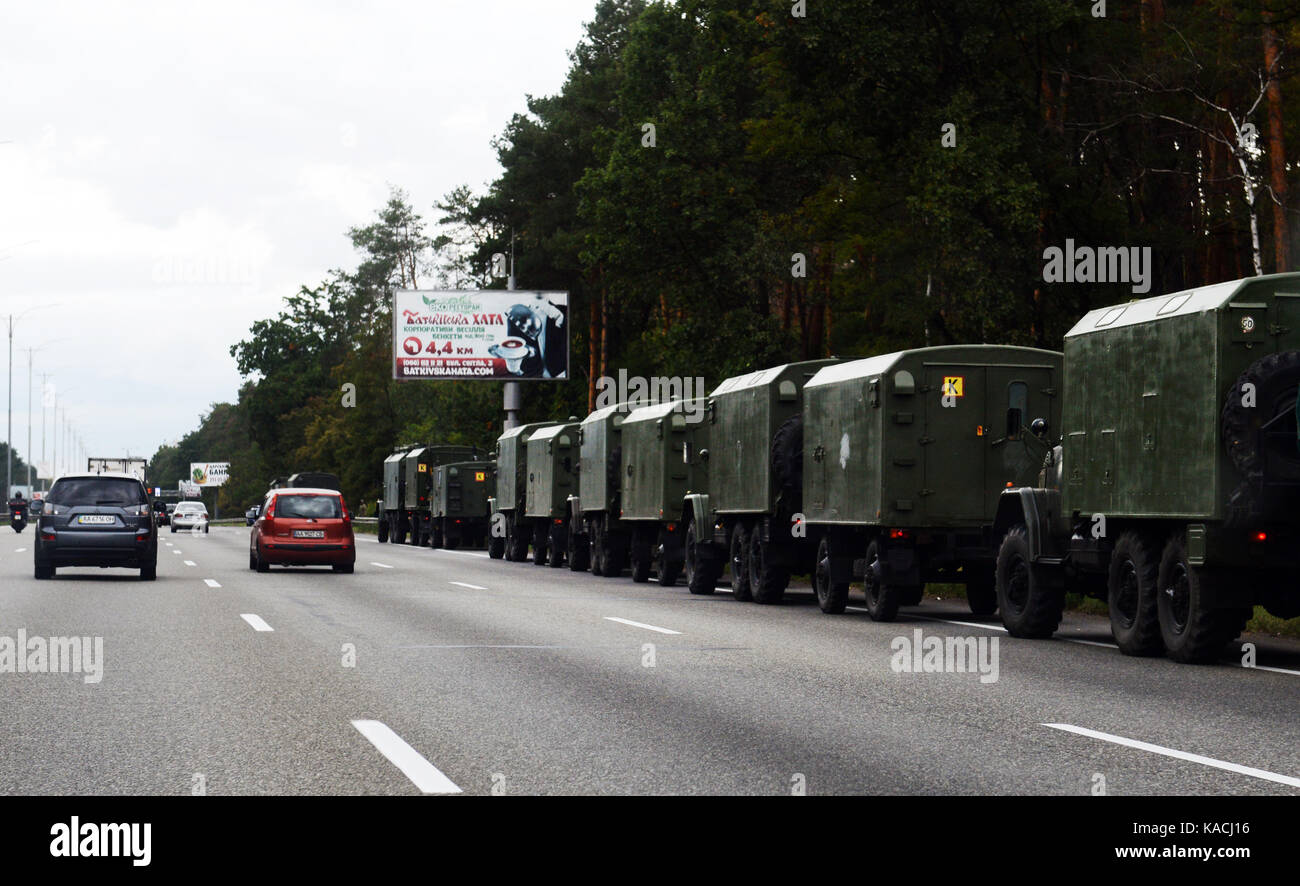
(190,515)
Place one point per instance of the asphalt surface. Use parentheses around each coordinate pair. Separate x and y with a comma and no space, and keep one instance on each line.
(484,676)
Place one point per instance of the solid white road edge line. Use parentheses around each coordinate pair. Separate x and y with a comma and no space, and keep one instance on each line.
(423,774)
(381,565)
(256,621)
(470,586)
(637,624)
(1177,755)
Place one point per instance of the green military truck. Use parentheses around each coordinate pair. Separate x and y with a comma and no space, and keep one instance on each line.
(748,515)
(597,535)
(507,506)
(459,502)
(1172,492)
(393,524)
(665,463)
(905,455)
(417,468)
(552,479)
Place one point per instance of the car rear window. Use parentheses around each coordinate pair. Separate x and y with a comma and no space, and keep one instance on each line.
(320,507)
(110,491)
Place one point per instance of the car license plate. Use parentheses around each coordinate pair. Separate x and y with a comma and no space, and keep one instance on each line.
(96,519)
(309,533)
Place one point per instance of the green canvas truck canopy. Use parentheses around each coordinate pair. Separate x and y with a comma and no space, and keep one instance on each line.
(926,437)
(1145,432)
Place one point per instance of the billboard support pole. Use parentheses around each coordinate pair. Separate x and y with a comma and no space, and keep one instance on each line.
(512,394)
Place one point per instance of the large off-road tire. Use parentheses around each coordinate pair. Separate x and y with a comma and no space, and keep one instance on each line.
(767,579)
(1030,603)
(701,571)
(496,547)
(540,534)
(739,554)
(1192,631)
(640,556)
(517,541)
(981,591)
(579,550)
(882,599)
(671,560)
(832,596)
(616,554)
(596,532)
(556,545)
(1274,381)
(1132,594)
(383,529)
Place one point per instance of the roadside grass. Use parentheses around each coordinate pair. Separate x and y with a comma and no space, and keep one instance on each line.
(1261,623)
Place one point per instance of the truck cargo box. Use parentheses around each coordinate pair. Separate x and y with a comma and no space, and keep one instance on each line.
(745,413)
(512,465)
(661,457)
(552,470)
(927,437)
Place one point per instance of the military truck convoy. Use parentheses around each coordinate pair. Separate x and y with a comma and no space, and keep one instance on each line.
(1152,465)
(406,510)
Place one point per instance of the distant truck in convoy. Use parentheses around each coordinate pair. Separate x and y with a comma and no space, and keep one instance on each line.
(459,502)
(511,496)
(1172,493)
(133,466)
(408,482)
(552,454)
(598,537)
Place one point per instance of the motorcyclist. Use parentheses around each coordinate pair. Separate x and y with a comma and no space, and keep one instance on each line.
(18,503)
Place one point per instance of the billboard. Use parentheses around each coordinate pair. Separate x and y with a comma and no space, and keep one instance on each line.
(209,473)
(488,334)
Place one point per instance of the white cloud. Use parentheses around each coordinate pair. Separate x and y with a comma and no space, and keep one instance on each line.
(176,169)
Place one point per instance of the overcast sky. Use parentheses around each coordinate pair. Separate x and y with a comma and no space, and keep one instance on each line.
(170,171)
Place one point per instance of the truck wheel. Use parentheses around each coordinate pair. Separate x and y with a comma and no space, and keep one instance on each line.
(539,544)
(767,580)
(701,573)
(555,546)
(1192,632)
(740,588)
(399,534)
(579,551)
(597,535)
(882,599)
(982,592)
(496,547)
(1031,606)
(832,596)
(671,559)
(615,556)
(383,530)
(1274,380)
(640,557)
(517,542)
(1132,594)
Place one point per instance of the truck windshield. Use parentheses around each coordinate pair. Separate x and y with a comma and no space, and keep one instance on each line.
(110,491)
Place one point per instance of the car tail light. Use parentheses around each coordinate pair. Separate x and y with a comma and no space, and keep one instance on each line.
(47,535)
(270,510)
(347,518)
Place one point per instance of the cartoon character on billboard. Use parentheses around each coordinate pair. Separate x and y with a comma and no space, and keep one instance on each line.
(535,345)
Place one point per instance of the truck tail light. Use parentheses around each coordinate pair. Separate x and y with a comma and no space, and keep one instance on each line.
(1261,536)
(899,534)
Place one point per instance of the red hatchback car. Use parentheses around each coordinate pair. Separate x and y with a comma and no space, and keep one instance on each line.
(303,527)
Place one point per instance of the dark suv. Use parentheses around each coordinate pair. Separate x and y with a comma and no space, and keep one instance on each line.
(97,520)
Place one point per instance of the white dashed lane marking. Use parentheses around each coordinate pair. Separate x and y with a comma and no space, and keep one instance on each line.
(211,583)
(1177,755)
(256,621)
(423,774)
(637,624)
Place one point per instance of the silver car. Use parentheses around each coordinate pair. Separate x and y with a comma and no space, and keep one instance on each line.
(190,515)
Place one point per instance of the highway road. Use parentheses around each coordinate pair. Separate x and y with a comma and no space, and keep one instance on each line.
(445,672)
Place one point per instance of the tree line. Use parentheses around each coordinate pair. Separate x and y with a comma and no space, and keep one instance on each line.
(723,185)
